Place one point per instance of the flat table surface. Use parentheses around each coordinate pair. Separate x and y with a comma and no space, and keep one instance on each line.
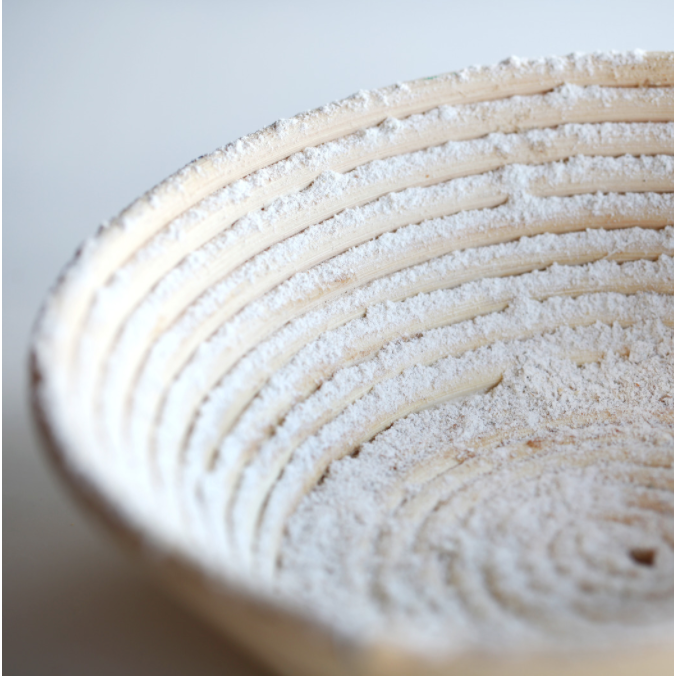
(102,101)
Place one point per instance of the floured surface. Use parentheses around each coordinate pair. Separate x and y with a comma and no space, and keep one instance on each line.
(402,363)
(553,486)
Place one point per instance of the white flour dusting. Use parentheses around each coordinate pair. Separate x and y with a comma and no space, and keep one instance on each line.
(404,362)
(515,517)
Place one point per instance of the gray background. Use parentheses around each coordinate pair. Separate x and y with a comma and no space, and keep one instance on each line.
(102,101)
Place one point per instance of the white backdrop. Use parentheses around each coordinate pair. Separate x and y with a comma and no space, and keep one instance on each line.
(101,101)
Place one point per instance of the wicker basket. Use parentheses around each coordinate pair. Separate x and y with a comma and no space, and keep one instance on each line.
(132,343)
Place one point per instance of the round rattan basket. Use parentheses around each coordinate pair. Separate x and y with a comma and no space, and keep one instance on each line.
(163,333)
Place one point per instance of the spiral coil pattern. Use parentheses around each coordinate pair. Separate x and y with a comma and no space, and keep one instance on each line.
(345,295)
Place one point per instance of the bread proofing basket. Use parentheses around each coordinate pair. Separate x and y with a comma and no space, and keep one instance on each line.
(184,338)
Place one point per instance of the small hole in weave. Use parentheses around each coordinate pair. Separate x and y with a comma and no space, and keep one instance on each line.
(644,557)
